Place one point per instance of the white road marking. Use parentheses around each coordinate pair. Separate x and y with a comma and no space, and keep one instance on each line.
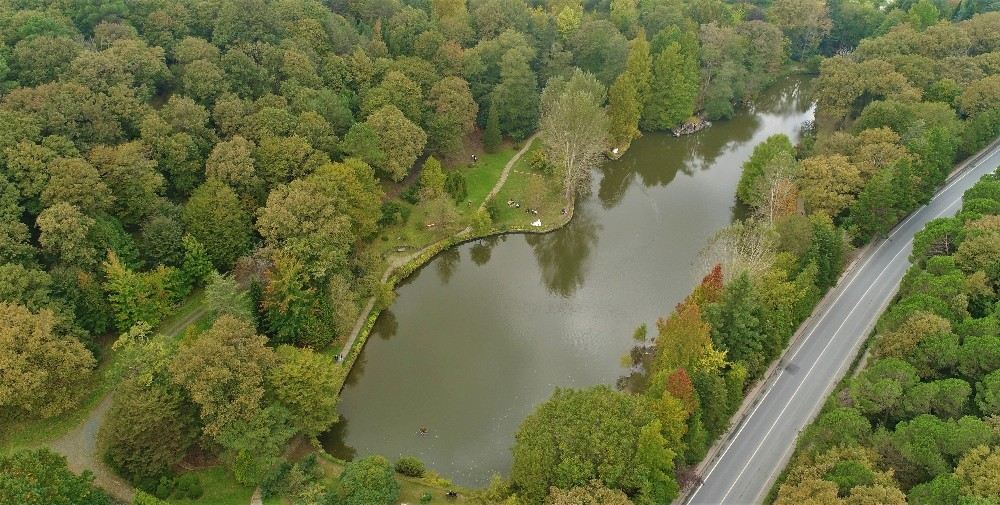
(809,372)
(818,323)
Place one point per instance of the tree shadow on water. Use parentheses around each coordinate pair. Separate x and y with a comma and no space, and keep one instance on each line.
(386,325)
(482,251)
(563,255)
(447,263)
(334,441)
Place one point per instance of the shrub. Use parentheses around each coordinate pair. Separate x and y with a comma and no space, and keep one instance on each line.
(426,498)
(165,487)
(393,212)
(188,486)
(411,194)
(455,185)
(410,466)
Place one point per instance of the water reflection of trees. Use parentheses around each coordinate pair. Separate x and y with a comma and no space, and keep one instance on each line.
(657,158)
(446,264)
(333,441)
(357,370)
(482,250)
(563,256)
(387,325)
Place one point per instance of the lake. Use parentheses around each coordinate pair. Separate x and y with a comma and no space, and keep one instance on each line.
(481,335)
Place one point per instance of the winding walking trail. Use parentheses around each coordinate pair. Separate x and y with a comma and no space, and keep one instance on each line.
(506,170)
(79,446)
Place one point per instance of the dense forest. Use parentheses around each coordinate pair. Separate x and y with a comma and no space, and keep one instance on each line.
(244,156)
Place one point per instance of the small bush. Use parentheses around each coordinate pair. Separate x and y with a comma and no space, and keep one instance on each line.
(539,162)
(455,185)
(493,209)
(164,488)
(188,486)
(411,194)
(426,498)
(393,212)
(410,466)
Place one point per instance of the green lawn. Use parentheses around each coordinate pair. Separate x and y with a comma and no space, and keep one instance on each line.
(532,190)
(406,238)
(481,177)
(220,489)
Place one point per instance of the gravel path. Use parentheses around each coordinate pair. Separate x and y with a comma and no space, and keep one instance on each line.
(79,445)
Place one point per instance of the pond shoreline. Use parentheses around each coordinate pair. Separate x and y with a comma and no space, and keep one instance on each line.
(479,345)
(396,273)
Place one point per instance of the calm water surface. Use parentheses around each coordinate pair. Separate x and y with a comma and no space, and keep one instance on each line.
(484,333)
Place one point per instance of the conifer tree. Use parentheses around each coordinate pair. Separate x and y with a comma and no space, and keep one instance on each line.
(491,137)
(628,94)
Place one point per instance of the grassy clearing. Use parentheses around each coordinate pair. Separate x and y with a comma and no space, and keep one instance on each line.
(427,225)
(481,177)
(532,189)
(220,489)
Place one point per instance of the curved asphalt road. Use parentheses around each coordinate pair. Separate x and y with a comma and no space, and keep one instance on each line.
(756,451)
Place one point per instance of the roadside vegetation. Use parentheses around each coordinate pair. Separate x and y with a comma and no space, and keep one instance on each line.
(880,147)
(918,423)
(198,199)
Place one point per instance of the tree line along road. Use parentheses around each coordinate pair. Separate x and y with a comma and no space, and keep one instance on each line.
(762,442)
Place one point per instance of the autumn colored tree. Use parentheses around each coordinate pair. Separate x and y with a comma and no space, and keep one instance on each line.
(594,493)
(453,114)
(829,183)
(41,364)
(683,337)
(399,138)
(679,385)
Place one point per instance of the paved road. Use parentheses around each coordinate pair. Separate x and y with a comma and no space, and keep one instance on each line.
(759,448)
